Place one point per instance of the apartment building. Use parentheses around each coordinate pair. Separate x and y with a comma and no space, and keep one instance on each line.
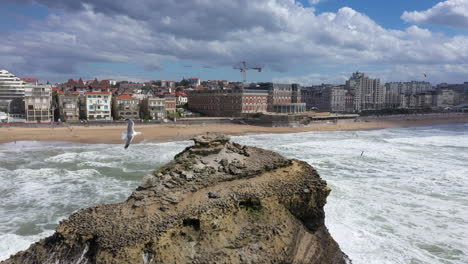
(154,108)
(447,98)
(170,103)
(98,106)
(11,93)
(126,107)
(38,104)
(368,93)
(69,106)
(325,98)
(398,94)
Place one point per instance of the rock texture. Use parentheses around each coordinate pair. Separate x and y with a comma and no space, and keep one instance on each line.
(217,202)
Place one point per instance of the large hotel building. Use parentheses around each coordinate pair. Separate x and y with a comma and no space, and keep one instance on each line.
(259,98)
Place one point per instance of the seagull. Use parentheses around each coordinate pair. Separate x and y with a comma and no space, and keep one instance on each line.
(130,133)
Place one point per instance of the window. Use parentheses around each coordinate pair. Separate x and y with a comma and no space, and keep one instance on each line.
(91,107)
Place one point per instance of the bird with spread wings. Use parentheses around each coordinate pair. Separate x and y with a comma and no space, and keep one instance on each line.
(130,134)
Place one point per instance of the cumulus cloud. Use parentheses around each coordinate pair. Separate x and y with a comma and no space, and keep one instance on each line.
(275,34)
(450,12)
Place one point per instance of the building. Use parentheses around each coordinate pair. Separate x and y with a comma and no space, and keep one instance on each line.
(194,82)
(38,104)
(126,107)
(325,98)
(30,81)
(181,99)
(282,97)
(168,84)
(394,96)
(72,85)
(368,93)
(111,82)
(447,98)
(398,94)
(69,106)
(154,108)
(98,106)
(11,93)
(230,103)
(170,103)
(426,100)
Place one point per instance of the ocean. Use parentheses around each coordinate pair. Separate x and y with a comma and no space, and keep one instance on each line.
(398,195)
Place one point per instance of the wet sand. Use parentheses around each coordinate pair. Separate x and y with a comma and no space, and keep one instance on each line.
(164,133)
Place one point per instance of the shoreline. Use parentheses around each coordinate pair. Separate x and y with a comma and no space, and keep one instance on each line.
(179,132)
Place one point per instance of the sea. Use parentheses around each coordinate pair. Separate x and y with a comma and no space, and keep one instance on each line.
(399,195)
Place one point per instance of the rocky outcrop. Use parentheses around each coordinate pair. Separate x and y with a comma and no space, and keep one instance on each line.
(217,202)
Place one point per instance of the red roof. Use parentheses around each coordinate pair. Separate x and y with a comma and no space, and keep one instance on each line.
(194,78)
(181,94)
(97,93)
(62,92)
(125,97)
(29,79)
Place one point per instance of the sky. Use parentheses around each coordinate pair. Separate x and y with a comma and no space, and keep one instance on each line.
(294,41)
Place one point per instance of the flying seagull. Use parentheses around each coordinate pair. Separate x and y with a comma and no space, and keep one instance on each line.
(130,133)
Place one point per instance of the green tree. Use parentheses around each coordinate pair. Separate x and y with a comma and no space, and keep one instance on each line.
(184,83)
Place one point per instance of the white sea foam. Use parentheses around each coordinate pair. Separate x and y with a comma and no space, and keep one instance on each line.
(404,200)
(11,243)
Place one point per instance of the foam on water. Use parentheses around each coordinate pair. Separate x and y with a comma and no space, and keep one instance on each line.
(405,200)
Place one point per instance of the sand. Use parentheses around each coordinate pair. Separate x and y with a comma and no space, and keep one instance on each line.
(164,133)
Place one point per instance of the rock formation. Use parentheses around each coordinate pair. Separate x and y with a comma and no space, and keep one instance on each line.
(217,202)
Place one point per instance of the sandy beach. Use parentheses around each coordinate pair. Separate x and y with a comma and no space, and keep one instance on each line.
(173,132)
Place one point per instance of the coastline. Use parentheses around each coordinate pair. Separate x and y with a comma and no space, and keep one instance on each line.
(178,132)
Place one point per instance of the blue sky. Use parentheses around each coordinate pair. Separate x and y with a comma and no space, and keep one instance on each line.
(301,41)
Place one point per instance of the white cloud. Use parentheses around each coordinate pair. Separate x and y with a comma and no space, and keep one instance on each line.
(315,2)
(450,12)
(275,34)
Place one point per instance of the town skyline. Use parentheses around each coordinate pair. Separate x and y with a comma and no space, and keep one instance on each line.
(306,42)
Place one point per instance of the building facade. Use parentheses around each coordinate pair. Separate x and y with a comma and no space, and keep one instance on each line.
(282,96)
(181,99)
(126,107)
(38,104)
(194,82)
(230,103)
(368,93)
(11,93)
(69,106)
(154,108)
(447,98)
(170,103)
(98,106)
(325,98)
(399,94)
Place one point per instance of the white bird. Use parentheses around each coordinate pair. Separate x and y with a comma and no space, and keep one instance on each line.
(130,133)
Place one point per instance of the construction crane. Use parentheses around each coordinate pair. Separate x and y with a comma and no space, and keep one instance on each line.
(243,70)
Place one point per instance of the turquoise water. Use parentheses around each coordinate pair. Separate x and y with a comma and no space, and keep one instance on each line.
(404,200)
